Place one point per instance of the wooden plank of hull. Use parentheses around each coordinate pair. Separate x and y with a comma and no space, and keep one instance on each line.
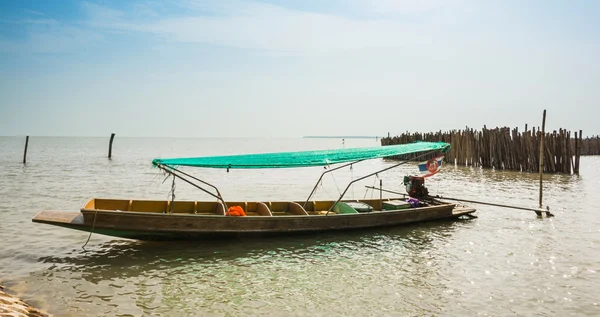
(152,226)
(61,218)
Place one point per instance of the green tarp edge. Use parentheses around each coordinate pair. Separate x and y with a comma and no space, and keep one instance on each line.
(302,159)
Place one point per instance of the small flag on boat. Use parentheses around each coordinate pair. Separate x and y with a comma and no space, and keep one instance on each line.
(432,166)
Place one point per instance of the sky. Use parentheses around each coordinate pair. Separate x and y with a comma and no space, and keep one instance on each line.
(186,68)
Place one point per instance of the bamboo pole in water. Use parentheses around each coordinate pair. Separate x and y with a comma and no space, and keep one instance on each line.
(578,152)
(112,137)
(542,158)
(575,167)
(25,151)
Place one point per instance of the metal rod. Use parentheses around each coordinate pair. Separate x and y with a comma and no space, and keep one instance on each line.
(112,137)
(189,182)
(489,204)
(471,201)
(195,178)
(320,178)
(387,191)
(25,152)
(542,160)
(369,175)
(173,171)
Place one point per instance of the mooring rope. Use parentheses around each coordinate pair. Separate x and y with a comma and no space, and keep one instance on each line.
(333,177)
(372,190)
(336,185)
(172,194)
(91,230)
(324,189)
(351,179)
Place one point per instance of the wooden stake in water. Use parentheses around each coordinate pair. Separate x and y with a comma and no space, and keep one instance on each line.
(112,137)
(25,152)
(578,145)
(381,193)
(542,158)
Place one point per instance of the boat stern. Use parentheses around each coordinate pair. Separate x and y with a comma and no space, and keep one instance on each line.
(70,219)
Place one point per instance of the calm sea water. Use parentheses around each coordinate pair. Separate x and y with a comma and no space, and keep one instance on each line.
(506,262)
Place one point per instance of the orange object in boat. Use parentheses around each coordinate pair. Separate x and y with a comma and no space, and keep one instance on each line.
(235,211)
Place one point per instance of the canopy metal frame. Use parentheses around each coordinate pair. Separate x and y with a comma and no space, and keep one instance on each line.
(184,176)
(323,174)
(373,174)
(177,173)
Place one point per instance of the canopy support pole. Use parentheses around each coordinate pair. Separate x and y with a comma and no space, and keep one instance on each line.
(369,175)
(320,178)
(173,171)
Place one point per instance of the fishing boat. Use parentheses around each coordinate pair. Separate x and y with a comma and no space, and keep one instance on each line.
(173,219)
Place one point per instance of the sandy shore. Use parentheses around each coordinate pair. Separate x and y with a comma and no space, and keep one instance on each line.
(13,306)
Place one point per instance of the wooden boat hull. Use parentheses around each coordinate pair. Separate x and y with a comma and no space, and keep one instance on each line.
(163,226)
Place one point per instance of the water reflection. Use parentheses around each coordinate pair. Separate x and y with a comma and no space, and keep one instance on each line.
(106,259)
(228,277)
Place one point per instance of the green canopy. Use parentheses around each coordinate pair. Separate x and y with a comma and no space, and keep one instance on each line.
(302,159)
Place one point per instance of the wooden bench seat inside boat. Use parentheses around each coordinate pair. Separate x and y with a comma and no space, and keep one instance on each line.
(263,210)
(156,206)
(282,208)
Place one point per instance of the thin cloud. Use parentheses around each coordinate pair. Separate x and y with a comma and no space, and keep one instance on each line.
(33,12)
(251,25)
(404,6)
(46,22)
(49,36)
(100,13)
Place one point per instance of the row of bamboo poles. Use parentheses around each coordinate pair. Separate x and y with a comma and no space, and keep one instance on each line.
(590,146)
(508,149)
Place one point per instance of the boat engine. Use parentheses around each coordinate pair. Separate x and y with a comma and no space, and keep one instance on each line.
(415,186)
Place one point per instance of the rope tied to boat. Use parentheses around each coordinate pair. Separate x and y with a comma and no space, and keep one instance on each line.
(352,178)
(372,191)
(172,194)
(91,231)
